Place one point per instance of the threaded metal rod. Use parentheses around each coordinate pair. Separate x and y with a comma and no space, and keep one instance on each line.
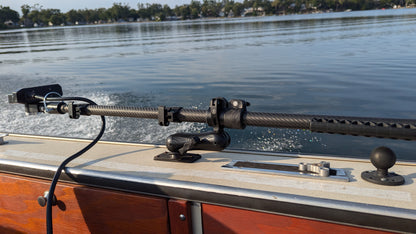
(123,111)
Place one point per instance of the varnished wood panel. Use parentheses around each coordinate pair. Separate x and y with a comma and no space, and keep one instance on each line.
(80,209)
(218,219)
(176,209)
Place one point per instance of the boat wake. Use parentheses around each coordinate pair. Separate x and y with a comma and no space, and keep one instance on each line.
(14,120)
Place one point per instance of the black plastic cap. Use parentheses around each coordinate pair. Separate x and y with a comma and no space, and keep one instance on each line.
(28,95)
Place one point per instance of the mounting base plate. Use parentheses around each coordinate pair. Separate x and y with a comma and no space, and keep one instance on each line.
(391,178)
(176,157)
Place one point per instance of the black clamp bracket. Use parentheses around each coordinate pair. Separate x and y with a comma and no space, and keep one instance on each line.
(223,114)
(74,111)
(167,115)
(216,107)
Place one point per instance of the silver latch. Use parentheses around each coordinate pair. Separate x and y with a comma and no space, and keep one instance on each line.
(320,170)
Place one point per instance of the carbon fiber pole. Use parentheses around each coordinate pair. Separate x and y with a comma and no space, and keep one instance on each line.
(232,116)
(185,115)
(361,126)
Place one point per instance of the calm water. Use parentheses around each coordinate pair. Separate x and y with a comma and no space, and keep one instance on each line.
(352,63)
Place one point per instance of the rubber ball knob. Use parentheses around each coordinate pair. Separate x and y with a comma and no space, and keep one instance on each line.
(383,158)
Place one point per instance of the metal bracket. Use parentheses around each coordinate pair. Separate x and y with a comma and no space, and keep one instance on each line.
(177,157)
(320,170)
(74,111)
(167,115)
(217,105)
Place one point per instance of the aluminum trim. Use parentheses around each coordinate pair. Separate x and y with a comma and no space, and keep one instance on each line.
(196,213)
(240,192)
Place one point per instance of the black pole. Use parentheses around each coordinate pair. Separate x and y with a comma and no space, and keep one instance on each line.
(361,126)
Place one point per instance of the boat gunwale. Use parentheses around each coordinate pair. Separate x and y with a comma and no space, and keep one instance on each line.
(238,151)
(321,209)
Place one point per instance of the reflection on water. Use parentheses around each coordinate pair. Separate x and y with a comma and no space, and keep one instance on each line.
(180,36)
(351,63)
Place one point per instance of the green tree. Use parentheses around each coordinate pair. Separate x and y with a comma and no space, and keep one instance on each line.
(134,14)
(228,6)
(34,16)
(195,9)
(276,5)
(7,14)
(57,19)
(73,16)
(210,8)
(119,11)
(183,11)
(94,16)
(238,9)
(53,16)
(156,11)
(25,10)
(103,14)
(167,11)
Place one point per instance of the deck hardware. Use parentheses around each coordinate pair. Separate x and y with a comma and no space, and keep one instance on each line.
(74,111)
(182,217)
(308,170)
(42,200)
(176,157)
(167,115)
(383,158)
(322,168)
(221,114)
(2,141)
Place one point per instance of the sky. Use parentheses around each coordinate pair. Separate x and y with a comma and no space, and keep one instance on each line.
(66,5)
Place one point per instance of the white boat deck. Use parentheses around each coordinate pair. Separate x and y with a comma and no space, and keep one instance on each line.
(137,160)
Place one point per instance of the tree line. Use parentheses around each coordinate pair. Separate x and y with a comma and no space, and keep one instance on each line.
(36,15)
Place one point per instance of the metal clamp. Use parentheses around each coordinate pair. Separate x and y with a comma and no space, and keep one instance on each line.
(74,111)
(167,115)
(322,168)
(216,107)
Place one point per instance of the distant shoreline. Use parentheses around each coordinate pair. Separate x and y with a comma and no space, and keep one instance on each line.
(27,23)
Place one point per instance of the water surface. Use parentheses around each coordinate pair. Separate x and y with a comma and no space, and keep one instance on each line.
(350,63)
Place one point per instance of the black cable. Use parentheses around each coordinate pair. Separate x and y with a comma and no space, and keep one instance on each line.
(49,226)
